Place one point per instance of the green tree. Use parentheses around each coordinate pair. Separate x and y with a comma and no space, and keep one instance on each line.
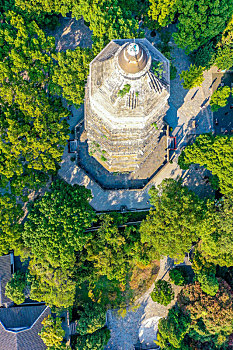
(217,233)
(95,341)
(215,153)
(10,232)
(204,56)
(70,74)
(53,285)
(25,51)
(92,318)
(162,12)
(15,288)
(52,333)
(209,283)
(56,224)
(200,21)
(33,127)
(220,98)
(113,250)
(171,330)
(162,293)
(192,77)
(225,48)
(179,276)
(178,213)
(55,234)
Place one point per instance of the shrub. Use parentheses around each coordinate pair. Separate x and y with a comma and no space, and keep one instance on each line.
(124,91)
(15,288)
(179,276)
(162,293)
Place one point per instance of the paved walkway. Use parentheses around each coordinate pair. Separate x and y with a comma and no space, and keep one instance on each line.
(125,330)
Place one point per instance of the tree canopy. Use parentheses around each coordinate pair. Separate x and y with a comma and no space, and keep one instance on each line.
(10,231)
(52,333)
(92,318)
(171,330)
(177,212)
(220,98)
(55,233)
(70,74)
(215,312)
(215,153)
(217,233)
(32,127)
(192,77)
(200,21)
(95,341)
(112,250)
(15,288)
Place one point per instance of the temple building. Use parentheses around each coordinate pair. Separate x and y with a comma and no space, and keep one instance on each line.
(126,100)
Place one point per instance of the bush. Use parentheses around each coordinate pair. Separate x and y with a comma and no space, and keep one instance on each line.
(209,283)
(15,288)
(179,276)
(162,293)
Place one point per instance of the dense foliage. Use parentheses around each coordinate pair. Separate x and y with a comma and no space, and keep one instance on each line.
(217,233)
(201,21)
(215,153)
(92,318)
(112,250)
(178,212)
(94,341)
(171,330)
(54,232)
(15,288)
(162,293)
(70,74)
(33,130)
(212,313)
(10,231)
(162,12)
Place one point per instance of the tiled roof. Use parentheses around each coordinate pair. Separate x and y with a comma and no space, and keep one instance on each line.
(23,316)
(5,276)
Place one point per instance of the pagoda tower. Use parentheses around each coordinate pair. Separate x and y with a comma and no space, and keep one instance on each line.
(126,99)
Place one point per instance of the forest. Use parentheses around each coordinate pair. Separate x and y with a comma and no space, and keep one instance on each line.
(90,271)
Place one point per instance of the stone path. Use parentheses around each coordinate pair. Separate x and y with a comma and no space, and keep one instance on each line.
(125,330)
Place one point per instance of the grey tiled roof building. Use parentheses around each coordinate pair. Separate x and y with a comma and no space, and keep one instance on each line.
(19,327)
(6,270)
(125,102)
